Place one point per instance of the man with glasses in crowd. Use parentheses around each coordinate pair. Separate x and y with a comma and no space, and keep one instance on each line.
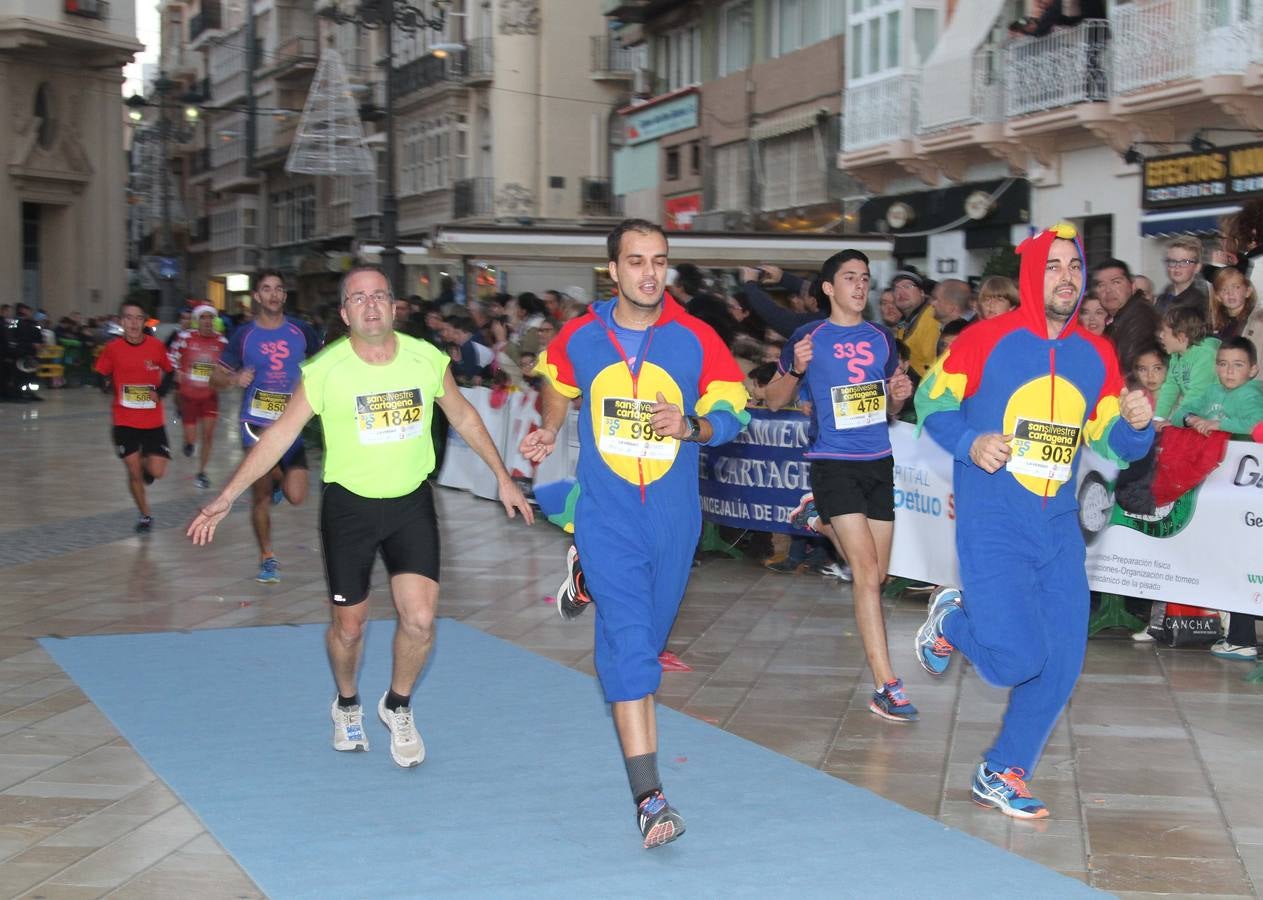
(1185,288)
(375,394)
(263,357)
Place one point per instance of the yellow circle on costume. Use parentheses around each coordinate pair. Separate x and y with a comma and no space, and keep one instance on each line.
(1046,436)
(620,421)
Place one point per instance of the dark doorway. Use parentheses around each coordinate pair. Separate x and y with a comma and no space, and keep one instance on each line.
(31,291)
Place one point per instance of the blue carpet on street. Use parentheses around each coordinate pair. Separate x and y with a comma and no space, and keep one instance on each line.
(522,793)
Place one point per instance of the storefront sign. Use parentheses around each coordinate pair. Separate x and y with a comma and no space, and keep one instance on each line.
(658,119)
(679,211)
(1185,179)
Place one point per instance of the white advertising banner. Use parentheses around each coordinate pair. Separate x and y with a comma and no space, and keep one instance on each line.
(1206,549)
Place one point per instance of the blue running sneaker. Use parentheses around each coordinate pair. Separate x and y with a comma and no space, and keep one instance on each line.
(278,495)
(1007,792)
(269,572)
(892,704)
(934,651)
(804,512)
(659,822)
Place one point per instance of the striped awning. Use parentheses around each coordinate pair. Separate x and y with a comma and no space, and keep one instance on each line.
(783,125)
(1171,222)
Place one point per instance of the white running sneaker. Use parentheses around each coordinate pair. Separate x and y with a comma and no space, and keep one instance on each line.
(840,571)
(348,728)
(406,747)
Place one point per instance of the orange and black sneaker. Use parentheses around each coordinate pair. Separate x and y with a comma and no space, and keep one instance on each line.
(572,596)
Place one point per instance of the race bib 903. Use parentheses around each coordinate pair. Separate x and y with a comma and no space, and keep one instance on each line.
(389,416)
(625,430)
(1043,449)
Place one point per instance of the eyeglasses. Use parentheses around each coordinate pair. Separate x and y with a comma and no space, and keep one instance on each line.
(1174,263)
(360,298)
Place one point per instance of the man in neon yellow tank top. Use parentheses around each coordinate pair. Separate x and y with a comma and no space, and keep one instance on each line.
(375,393)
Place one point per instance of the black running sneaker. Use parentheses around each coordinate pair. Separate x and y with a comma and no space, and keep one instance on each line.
(572,596)
(659,822)
(188,451)
(146,477)
(144,524)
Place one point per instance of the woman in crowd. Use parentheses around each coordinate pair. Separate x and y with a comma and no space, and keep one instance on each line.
(1092,315)
(996,296)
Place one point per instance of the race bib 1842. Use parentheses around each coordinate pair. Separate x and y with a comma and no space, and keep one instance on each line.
(625,430)
(1043,449)
(857,405)
(268,404)
(137,396)
(389,416)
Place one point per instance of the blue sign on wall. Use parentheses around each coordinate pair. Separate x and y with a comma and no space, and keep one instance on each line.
(661,119)
(756,480)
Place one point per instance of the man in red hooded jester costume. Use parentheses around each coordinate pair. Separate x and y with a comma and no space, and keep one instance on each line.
(1012,400)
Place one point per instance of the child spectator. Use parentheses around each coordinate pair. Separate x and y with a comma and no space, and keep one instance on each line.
(950,332)
(1184,336)
(1148,373)
(1234,309)
(1233,404)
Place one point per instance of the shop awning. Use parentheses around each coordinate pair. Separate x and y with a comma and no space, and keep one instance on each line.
(1172,222)
(786,124)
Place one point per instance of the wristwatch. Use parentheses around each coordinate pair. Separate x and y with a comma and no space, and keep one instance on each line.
(794,373)
(695,428)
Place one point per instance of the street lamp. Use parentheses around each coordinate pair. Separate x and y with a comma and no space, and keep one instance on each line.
(165,130)
(389,15)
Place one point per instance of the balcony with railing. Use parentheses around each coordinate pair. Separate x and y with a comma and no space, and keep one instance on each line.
(1057,70)
(230,168)
(295,57)
(984,106)
(480,63)
(427,71)
(1162,42)
(613,62)
(207,22)
(227,67)
(881,112)
(474,198)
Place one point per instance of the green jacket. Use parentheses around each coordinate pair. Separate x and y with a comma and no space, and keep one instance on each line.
(1238,410)
(1189,374)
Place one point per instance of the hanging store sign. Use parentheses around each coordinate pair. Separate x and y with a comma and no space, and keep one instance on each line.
(658,119)
(679,212)
(1190,179)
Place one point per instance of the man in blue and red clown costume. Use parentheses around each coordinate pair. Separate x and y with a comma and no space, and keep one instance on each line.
(1012,400)
(656,384)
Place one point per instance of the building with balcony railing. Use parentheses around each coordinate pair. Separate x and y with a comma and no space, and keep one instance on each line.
(1054,115)
(736,138)
(63,187)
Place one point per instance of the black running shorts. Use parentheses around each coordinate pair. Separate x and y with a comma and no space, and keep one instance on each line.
(145,441)
(354,528)
(844,486)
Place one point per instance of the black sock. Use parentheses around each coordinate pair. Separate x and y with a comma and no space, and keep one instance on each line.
(642,775)
(394,701)
(348,702)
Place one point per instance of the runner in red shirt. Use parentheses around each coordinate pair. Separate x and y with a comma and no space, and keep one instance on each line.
(194,353)
(134,367)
